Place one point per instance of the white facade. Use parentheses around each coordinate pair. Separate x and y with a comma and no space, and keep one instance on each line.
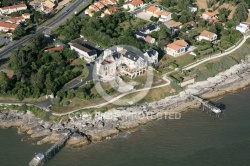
(83,52)
(6,27)
(176,48)
(243,27)
(151,56)
(193,9)
(175,52)
(133,5)
(13,9)
(16,20)
(119,62)
(165,18)
(208,38)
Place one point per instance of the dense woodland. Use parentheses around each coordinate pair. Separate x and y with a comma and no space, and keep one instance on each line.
(106,31)
(37,72)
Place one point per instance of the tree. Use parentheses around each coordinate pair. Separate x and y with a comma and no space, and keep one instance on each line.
(174,17)
(4,83)
(224,11)
(153,19)
(97,14)
(183,19)
(50,85)
(19,32)
(121,2)
(241,11)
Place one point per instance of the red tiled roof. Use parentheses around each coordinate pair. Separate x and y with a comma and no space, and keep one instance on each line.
(9,73)
(106,62)
(182,43)
(112,9)
(190,23)
(16,19)
(59,48)
(14,7)
(174,46)
(148,39)
(207,34)
(8,25)
(152,9)
(136,2)
(210,14)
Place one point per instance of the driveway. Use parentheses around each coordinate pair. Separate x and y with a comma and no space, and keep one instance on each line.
(76,83)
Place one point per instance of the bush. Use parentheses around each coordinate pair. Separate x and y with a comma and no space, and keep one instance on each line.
(154,19)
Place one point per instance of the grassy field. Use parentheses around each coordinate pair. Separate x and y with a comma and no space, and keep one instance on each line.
(84,71)
(136,23)
(213,67)
(202,4)
(151,95)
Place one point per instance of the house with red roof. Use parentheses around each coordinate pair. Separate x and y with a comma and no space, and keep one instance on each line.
(109,11)
(176,48)
(13,9)
(206,35)
(54,49)
(16,20)
(7,27)
(161,14)
(209,16)
(135,4)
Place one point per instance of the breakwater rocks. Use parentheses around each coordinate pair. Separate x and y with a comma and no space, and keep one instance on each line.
(98,126)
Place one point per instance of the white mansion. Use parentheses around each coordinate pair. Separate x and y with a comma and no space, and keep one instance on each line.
(123,60)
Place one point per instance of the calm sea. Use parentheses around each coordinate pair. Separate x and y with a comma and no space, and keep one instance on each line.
(194,140)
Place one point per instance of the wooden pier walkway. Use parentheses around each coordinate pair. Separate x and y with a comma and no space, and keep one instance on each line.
(207,106)
(41,158)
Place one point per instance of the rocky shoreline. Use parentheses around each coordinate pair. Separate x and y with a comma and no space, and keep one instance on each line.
(94,128)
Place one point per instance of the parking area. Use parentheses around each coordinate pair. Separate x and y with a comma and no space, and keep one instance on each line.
(4,40)
(144,15)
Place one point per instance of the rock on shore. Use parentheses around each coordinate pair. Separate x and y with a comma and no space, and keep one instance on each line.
(118,120)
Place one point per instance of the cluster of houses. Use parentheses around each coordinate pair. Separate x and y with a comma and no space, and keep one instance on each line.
(101,5)
(120,61)
(144,32)
(12,9)
(11,24)
(180,47)
(161,14)
(46,6)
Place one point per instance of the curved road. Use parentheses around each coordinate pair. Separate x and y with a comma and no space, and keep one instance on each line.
(60,17)
(116,98)
(220,55)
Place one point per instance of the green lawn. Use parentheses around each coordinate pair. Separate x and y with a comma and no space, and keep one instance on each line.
(182,60)
(136,22)
(84,70)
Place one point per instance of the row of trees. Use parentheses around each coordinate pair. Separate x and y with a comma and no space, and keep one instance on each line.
(106,31)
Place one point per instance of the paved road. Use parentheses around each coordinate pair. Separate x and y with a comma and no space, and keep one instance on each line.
(76,83)
(217,56)
(57,19)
